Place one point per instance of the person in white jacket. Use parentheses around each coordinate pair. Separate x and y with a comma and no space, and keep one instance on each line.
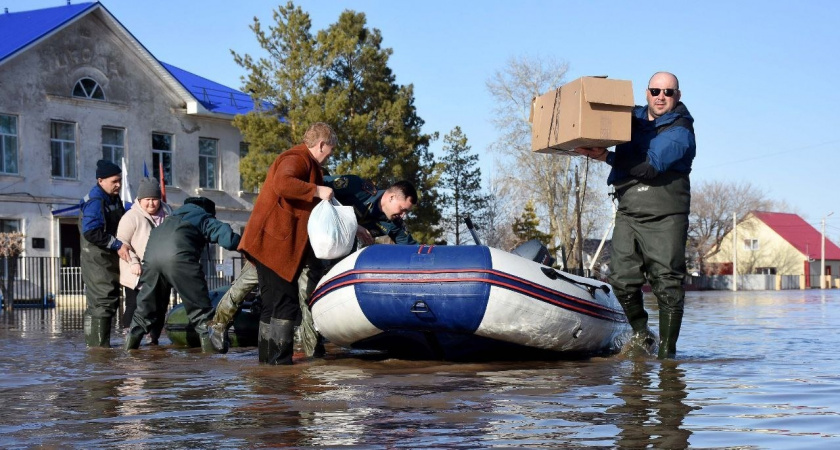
(147,212)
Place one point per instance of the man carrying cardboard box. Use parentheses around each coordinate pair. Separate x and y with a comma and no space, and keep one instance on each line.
(650,175)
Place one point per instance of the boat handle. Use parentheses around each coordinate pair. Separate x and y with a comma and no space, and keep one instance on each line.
(419,307)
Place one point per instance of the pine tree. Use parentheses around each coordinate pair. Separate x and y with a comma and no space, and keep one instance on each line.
(526,226)
(461,181)
(340,76)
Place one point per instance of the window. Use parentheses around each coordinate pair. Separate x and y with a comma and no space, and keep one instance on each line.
(243,152)
(765,270)
(9,225)
(162,154)
(113,144)
(8,144)
(88,88)
(63,149)
(208,163)
(751,244)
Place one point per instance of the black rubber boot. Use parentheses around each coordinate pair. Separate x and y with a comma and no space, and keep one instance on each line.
(97,331)
(634,309)
(669,332)
(155,332)
(319,351)
(276,341)
(134,337)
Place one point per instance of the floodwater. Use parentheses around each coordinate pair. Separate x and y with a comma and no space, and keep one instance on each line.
(754,370)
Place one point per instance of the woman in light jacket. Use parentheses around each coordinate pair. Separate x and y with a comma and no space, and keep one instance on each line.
(147,212)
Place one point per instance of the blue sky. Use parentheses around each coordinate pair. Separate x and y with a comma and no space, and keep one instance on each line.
(760,77)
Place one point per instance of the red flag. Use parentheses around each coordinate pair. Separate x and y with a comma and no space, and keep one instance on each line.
(162,181)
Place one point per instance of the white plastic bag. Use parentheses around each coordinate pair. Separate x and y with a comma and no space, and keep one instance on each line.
(332,229)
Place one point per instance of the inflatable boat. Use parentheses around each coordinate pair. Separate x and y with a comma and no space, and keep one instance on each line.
(243,333)
(464,302)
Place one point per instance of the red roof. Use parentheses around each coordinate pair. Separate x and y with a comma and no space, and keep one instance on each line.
(800,234)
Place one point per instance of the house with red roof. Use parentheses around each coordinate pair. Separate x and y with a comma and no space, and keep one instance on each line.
(76,86)
(781,244)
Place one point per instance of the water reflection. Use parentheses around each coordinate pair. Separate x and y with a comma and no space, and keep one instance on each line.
(653,408)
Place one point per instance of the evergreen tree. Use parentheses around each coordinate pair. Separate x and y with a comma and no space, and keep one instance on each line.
(461,181)
(526,226)
(340,76)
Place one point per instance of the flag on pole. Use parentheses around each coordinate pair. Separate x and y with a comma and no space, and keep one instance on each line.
(162,181)
(125,189)
(145,170)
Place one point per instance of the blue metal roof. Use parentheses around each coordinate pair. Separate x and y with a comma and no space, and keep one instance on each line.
(21,29)
(215,97)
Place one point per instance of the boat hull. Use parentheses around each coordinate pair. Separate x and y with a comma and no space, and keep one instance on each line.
(243,333)
(463,302)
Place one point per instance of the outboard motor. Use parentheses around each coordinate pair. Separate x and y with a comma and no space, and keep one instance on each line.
(535,251)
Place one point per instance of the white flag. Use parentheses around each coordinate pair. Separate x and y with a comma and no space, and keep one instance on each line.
(125,190)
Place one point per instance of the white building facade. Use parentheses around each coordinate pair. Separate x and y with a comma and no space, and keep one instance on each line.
(84,89)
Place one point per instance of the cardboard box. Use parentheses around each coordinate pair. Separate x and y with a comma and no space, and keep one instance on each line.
(587,112)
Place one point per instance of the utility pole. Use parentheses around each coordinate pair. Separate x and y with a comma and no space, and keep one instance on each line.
(822,253)
(734,251)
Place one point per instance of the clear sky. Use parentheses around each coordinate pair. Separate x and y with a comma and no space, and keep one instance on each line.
(760,77)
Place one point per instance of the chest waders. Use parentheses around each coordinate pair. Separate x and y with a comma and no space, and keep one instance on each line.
(101,276)
(651,228)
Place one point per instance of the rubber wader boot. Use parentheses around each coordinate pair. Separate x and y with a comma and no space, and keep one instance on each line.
(634,309)
(97,331)
(276,341)
(134,337)
(154,333)
(669,331)
(319,350)
(217,329)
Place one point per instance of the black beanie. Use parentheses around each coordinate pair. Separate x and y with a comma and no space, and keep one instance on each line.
(106,169)
(205,203)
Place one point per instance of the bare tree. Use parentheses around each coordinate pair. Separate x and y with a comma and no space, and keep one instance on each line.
(712,205)
(548,179)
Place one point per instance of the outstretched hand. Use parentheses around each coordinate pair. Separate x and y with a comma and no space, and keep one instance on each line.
(597,153)
(124,252)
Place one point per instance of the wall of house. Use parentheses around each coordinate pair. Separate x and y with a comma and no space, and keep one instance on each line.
(37,86)
(773,251)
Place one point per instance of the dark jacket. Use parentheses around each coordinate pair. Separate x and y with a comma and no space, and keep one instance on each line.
(100,216)
(364,197)
(184,234)
(661,145)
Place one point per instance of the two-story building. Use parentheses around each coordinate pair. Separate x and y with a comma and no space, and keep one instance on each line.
(76,86)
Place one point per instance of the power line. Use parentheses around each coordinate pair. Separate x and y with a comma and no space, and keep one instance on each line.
(770,155)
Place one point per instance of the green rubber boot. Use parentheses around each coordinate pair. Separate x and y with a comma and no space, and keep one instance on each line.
(204,338)
(634,309)
(134,337)
(669,332)
(97,331)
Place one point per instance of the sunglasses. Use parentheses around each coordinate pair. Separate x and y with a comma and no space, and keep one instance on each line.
(668,92)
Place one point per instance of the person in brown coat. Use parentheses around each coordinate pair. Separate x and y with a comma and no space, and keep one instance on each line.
(277,242)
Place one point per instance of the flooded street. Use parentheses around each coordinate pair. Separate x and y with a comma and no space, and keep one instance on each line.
(754,370)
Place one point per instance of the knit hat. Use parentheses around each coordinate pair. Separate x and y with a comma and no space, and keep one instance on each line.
(106,169)
(149,188)
(205,203)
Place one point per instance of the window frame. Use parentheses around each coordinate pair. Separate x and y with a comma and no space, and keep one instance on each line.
(751,244)
(204,172)
(63,146)
(89,94)
(111,148)
(15,138)
(159,154)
